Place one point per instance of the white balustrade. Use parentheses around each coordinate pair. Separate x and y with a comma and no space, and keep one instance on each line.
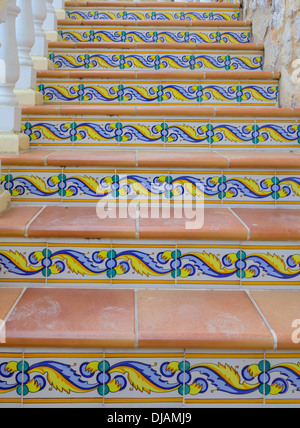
(25,89)
(40,47)
(10,113)
(50,23)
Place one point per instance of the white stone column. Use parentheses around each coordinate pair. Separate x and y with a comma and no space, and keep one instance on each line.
(25,90)
(11,141)
(59,7)
(39,51)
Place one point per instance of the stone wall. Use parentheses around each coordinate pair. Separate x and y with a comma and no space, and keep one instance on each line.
(276,23)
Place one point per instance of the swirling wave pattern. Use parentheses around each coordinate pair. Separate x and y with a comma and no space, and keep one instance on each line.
(165,377)
(133,185)
(208,36)
(158,62)
(152,15)
(162,93)
(176,264)
(167,133)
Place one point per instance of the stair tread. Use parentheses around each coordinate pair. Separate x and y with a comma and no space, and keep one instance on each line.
(82,222)
(159,4)
(118,318)
(153,24)
(158,75)
(227,47)
(162,111)
(261,159)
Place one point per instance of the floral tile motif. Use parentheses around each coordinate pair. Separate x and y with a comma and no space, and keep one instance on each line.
(11,380)
(188,378)
(146,36)
(156,61)
(34,185)
(163,93)
(150,263)
(262,265)
(23,262)
(170,133)
(161,15)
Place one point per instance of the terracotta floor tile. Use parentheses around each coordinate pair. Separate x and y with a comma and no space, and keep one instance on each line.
(92,158)
(8,296)
(281,309)
(71,317)
(261,159)
(79,222)
(28,158)
(271,224)
(14,221)
(200,319)
(218,224)
(181,159)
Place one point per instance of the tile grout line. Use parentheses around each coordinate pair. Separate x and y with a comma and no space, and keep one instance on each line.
(30,221)
(6,318)
(264,319)
(243,223)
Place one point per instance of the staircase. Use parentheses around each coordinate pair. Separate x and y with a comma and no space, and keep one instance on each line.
(109,297)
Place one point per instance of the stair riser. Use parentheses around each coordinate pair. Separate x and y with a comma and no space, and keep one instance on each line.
(142,264)
(75,59)
(87,92)
(144,14)
(176,378)
(147,187)
(169,35)
(165,133)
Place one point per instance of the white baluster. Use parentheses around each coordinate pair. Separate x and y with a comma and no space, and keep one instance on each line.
(5,197)
(10,113)
(50,23)
(59,7)
(26,85)
(39,51)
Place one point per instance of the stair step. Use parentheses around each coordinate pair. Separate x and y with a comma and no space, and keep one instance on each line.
(166,127)
(171,31)
(154,56)
(151,177)
(165,11)
(163,87)
(227,319)
(83,222)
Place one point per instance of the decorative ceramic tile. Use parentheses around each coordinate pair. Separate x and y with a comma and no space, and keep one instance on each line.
(281,378)
(208,265)
(62,378)
(208,93)
(81,264)
(224,379)
(147,378)
(142,14)
(206,35)
(50,131)
(170,132)
(11,379)
(23,262)
(286,187)
(34,185)
(149,60)
(143,265)
(264,264)
(88,185)
(244,187)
